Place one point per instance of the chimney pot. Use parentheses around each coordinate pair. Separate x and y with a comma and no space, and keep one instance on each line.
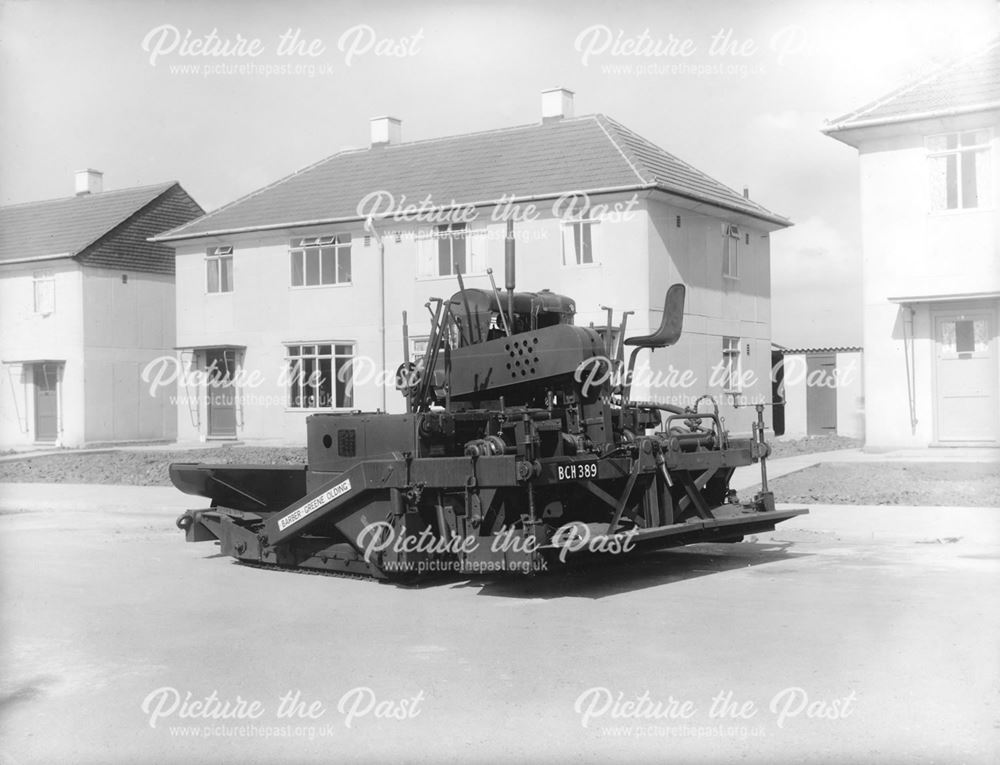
(557,104)
(89,182)
(746,192)
(386,131)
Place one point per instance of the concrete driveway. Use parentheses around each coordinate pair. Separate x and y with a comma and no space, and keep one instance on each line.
(853,634)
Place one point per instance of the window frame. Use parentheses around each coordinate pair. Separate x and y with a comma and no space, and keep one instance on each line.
(214,257)
(975,352)
(450,232)
(575,226)
(38,278)
(930,154)
(297,379)
(340,242)
(731,239)
(728,355)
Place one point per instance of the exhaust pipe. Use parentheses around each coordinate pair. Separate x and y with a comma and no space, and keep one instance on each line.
(509,281)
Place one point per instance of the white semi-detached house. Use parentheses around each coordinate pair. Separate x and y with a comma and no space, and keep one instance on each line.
(288,281)
(930,176)
(86,302)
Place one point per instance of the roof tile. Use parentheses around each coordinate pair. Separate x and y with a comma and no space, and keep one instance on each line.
(107,229)
(969,83)
(548,159)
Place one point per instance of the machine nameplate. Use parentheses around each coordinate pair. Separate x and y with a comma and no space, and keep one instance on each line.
(313,505)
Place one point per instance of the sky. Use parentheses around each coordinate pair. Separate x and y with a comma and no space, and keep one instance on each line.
(113,85)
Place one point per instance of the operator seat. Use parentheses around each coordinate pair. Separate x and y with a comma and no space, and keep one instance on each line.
(667,334)
(670,325)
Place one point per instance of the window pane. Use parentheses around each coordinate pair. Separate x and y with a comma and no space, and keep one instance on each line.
(458,255)
(328,265)
(586,246)
(213,274)
(297,273)
(308,350)
(344,350)
(226,282)
(974,138)
(577,244)
(952,180)
(45,295)
(295,385)
(964,338)
(979,334)
(293,350)
(948,336)
(325,383)
(323,350)
(444,256)
(309,382)
(984,185)
(970,196)
(312,267)
(344,384)
(937,143)
(344,266)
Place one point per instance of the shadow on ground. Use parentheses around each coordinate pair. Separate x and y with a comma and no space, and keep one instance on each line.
(597,577)
(612,576)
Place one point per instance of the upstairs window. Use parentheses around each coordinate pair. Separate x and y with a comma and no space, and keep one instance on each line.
(44,283)
(321,260)
(578,241)
(731,373)
(320,376)
(451,239)
(219,269)
(730,251)
(959,165)
(450,248)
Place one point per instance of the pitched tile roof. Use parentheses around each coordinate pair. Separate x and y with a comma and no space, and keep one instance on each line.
(588,153)
(109,229)
(969,84)
(68,225)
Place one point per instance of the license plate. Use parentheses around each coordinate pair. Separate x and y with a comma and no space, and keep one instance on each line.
(576,471)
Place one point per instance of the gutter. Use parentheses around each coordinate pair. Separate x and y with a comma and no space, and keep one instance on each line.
(913,117)
(39,258)
(169,237)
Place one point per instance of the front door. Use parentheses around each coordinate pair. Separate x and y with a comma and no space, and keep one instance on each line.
(220,365)
(966,407)
(821,395)
(46,381)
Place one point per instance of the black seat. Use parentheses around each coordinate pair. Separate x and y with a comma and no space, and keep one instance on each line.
(670,326)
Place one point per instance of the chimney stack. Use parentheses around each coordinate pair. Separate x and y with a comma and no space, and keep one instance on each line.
(557,103)
(89,182)
(386,131)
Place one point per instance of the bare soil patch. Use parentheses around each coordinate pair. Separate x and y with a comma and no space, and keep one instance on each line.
(137,467)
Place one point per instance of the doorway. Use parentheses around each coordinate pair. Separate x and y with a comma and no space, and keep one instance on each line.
(45,376)
(220,367)
(965,372)
(821,395)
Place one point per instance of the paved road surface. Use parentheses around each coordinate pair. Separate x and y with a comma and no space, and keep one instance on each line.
(885,619)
